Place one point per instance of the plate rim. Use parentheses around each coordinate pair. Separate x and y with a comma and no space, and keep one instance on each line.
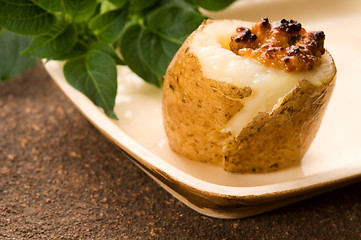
(149,160)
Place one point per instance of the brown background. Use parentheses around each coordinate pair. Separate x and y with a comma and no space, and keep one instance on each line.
(61,179)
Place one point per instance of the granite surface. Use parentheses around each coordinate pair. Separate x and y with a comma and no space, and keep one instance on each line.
(62,179)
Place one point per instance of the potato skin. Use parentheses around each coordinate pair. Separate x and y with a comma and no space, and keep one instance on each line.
(196,109)
(280,139)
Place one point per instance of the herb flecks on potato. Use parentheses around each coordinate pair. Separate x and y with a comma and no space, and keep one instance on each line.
(234,111)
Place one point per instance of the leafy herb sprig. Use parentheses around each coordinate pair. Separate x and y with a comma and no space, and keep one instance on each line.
(93,36)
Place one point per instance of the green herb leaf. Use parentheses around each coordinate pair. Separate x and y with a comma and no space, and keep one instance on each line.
(129,47)
(106,6)
(192,2)
(157,51)
(79,50)
(109,25)
(141,4)
(118,3)
(24,17)
(80,10)
(175,22)
(86,33)
(52,6)
(11,62)
(102,46)
(55,43)
(166,30)
(95,75)
(214,5)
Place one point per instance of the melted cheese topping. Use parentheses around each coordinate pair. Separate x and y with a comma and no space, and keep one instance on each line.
(211,45)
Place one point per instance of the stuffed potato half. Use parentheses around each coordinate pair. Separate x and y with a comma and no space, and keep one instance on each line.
(246,115)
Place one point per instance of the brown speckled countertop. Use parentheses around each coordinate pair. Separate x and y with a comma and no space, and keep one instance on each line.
(61,179)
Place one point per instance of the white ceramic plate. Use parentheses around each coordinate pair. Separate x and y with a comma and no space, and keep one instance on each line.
(333,160)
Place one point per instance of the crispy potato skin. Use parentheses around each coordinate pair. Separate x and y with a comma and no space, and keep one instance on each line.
(196,109)
(280,139)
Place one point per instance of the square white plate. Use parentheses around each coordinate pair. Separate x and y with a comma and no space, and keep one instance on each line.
(333,160)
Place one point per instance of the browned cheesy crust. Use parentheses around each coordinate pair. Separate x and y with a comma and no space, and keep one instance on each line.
(283,45)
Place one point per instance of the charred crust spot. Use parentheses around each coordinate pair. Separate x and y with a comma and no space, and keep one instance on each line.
(286,59)
(319,35)
(244,35)
(264,23)
(290,27)
(171,86)
(283,45)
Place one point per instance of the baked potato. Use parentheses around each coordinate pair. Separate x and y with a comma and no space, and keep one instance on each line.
(249,97)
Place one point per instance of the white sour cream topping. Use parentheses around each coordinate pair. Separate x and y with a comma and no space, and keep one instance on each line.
(269,85)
